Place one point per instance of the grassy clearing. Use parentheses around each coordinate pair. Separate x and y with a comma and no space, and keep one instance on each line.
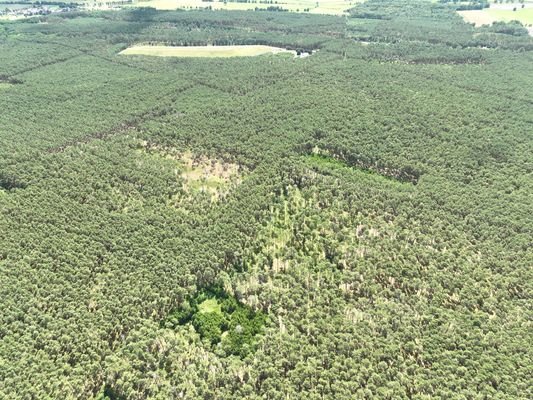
(209,306)
(203,51)
(332,7)
(322,161)
(5,85)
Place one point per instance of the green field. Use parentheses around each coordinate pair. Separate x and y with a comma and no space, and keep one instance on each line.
(203,51)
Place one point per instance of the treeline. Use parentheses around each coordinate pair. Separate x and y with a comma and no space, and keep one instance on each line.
(43,3)
(271,8)
(467,5)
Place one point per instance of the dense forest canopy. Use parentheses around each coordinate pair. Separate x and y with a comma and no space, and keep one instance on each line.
(355,224)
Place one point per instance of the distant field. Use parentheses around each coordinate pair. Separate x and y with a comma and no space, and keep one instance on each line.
(18,6)
(524,15)
(500,13)
(334,7)
(203,51)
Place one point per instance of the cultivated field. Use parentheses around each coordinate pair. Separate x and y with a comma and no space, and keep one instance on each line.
(203,51)
(333,7)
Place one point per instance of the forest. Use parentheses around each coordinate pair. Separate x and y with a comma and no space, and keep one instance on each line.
(355,224)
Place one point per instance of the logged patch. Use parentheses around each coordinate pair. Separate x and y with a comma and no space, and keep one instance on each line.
(199,173)
(208,175)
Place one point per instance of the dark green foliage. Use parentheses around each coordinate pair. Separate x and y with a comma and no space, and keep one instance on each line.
(10,182)
(242,327)
(107,393)
(209,326)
